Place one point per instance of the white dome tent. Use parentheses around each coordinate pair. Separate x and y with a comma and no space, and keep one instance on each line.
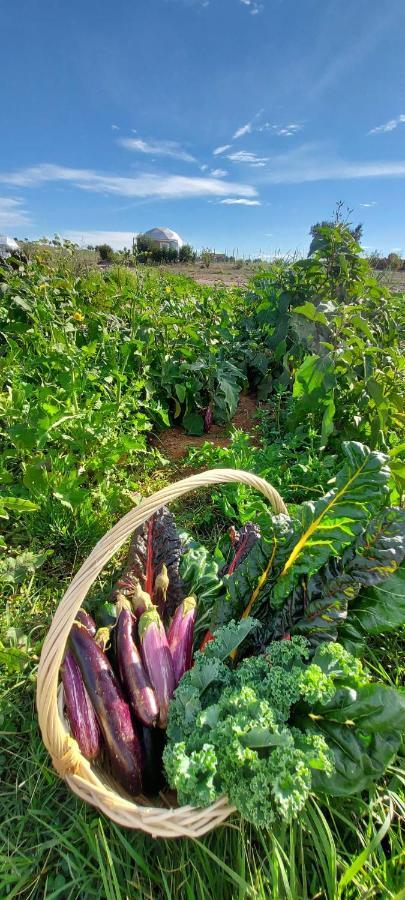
(164,238)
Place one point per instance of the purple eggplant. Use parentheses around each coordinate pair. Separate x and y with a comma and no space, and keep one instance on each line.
(180,636)
(132,673)
(113,713)
(140,600)
(81,715)
(208,419)
(87,620)
(157,660)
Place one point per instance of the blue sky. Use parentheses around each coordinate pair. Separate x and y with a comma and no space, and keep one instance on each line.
(238,123)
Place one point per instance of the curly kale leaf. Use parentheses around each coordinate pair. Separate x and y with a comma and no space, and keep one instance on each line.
(233,737)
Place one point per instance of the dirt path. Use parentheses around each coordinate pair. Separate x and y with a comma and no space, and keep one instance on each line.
(174,443)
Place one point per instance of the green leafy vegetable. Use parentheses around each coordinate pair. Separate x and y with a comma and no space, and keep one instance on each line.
(234,737)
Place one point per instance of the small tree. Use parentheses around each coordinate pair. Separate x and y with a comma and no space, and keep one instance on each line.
(394,261)
(106,252)
(186,253)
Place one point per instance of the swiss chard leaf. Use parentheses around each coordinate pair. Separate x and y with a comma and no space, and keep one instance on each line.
(376,610)
(381,549)
(333,522)
(328,596)
(363,729)
(154,544)
(250,585)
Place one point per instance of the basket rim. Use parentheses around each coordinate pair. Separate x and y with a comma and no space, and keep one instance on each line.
(71,765)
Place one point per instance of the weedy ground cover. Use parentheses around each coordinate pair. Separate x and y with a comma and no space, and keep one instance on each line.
(90,365)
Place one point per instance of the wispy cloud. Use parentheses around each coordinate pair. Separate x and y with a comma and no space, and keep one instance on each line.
(367,205)
(240,132)
(157,148)
(238,201)
(282,130)
(251,159)
(218,173)
(115,127)
(391,125)
(13,214)
(145,185)
(316,162)
(116,239)
(222,149)
(254,7)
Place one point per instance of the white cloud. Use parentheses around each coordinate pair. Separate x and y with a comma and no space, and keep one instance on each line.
(204,167)
(147,185)
(157,148)
(240,132)
(251,159)
(116,239)
(316,162)
(366,205)
(238,201)
(115,127)
(218,173)
(219,150)
(388,126)
(12,213)
(254,7)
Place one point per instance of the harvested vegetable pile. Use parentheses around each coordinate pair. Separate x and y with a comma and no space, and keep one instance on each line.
(185,689)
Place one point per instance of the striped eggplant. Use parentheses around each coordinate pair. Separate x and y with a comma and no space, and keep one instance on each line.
(157,660)
(180,636)
(132,673)
(87,620)
(113,713)
(81,715)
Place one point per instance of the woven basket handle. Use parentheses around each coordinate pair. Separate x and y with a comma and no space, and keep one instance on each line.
(53,732)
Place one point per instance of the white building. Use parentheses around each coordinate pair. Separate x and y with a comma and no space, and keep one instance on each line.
(7,245)
(164,238)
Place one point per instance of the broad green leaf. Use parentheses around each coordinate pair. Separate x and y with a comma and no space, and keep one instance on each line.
(310,312)
(331,524)
(377,610)
(327,426)
(193,423)
(321,605)
(18,504)
(313,375)
(363,730)
(381,549)
(324,605)
(181,392)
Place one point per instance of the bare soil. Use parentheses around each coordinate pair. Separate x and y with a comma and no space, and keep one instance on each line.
(173,443)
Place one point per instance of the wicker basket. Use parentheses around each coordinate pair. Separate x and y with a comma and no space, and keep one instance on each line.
(88,780)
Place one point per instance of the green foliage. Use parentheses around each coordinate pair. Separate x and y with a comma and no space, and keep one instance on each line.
(332,332)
